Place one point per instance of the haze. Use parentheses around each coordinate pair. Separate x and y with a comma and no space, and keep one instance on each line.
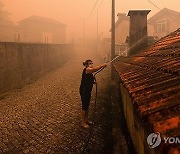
(72,12)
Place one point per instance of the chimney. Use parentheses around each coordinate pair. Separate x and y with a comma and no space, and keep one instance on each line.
(138,30)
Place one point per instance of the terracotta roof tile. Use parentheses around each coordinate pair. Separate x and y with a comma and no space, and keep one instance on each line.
(152,77)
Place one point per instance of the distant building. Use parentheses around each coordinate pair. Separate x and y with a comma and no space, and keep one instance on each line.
(33,29)
(40,30)
(121,28)
(159,25)
(163,23)
(106,48)
(121,33)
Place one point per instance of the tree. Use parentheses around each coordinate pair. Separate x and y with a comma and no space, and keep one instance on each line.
(4,16)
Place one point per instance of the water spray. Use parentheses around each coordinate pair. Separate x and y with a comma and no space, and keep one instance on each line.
(94,113)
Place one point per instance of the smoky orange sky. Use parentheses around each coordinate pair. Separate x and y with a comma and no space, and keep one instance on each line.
(72,12)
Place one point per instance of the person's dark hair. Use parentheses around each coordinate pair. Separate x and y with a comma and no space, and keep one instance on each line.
(86,62)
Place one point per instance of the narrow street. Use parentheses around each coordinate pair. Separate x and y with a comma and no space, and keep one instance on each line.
(133,50)
(44,117)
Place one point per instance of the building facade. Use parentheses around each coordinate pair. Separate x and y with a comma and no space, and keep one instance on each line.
(122,28)
(34,29)
(164,22)
(159,25)
(41,30)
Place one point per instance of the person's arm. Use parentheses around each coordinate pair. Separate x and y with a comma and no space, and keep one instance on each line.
(92,70)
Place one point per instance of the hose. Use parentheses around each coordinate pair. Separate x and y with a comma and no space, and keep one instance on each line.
(94,113)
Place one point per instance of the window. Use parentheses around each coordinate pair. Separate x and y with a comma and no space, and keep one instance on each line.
(160,26)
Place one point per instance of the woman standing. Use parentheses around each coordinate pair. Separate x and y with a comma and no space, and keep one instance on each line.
(86,86)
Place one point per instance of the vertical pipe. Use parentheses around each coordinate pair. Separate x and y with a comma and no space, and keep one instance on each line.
(97,30)
(113,36)
(83,30)
(97,25)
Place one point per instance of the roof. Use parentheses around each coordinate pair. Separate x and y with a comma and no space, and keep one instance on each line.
(145,12)
(152,78)
(165,12)
(42,19)
(121,17)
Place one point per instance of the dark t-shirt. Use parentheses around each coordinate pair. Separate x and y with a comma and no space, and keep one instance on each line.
(87,81)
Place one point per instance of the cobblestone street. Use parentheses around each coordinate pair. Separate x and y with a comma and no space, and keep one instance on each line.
(44,116)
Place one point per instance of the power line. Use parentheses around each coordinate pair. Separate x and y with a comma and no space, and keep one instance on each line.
(98,8)
(162,10)
(91,16)
(154,4)
(100,4)
(92,10)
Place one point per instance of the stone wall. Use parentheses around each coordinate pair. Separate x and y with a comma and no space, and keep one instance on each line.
(22,63)
(137,128)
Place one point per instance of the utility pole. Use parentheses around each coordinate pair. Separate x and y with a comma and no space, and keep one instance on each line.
(83,30)
(97,30)
(97,25)
(113,37)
